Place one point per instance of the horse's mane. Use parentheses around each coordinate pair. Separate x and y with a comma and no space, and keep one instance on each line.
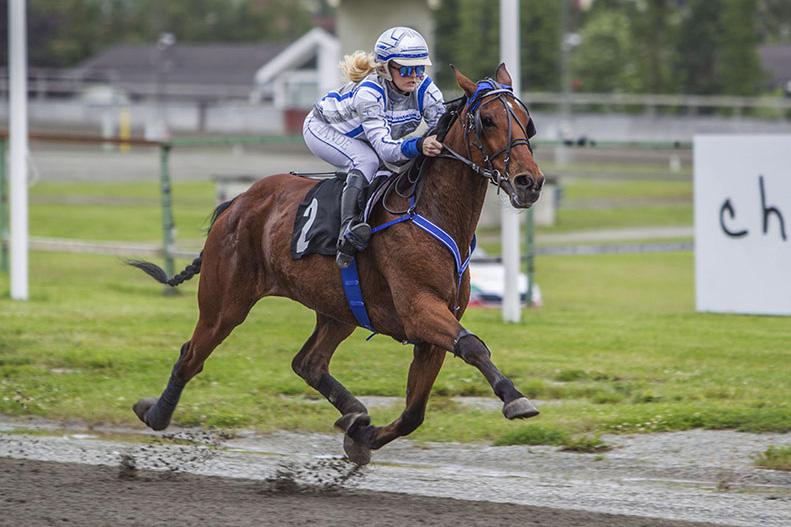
(452,110)
(407,183)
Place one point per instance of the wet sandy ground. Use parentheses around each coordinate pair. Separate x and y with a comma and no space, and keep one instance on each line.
(189,475)
(47,493)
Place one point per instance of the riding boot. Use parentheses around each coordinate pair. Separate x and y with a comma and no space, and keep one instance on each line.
(354,233)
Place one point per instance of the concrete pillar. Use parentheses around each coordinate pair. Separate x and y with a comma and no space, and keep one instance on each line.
(358,23)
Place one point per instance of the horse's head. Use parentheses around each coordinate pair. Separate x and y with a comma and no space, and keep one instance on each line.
(497,130)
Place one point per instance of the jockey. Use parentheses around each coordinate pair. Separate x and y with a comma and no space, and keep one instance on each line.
(363,123)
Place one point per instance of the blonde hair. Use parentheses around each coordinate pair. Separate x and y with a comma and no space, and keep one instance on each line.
(358,65)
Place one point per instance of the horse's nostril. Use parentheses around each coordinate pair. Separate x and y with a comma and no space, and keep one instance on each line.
(524,182)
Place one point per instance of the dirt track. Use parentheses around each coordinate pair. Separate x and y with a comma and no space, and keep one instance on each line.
(47,493)
(110,475)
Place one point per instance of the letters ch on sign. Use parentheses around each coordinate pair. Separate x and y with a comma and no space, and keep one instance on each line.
(730,226)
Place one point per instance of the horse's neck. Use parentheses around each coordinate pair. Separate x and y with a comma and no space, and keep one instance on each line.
(452,195)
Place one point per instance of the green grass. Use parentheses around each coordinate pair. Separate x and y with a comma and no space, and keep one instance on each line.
(617,347)
(577,189)
(621,218)
(775,458)
(130,211)
(118,211)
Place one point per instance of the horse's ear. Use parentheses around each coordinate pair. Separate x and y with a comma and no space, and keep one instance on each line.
(502,76)
(464,82)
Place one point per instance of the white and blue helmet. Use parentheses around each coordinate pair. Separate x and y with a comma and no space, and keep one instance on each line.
(403,45)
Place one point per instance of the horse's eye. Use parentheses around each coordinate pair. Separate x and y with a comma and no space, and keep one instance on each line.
(488,122)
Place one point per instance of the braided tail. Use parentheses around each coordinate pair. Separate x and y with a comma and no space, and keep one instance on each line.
(158,274)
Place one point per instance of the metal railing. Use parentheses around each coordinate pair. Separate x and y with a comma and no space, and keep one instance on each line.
(45,82)
(169,251)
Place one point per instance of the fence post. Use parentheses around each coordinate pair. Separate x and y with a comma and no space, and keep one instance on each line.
(167,210)
(530,241)
(3,210)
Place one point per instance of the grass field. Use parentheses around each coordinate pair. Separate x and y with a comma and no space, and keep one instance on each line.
(130,211)
(617,347)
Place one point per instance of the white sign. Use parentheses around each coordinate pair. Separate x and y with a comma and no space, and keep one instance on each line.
(743,223)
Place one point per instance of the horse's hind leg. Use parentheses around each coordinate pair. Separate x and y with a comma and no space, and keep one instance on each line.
(426,363)
(223,306)
(312,364)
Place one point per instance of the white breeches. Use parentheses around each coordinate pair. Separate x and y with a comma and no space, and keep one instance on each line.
(339,150)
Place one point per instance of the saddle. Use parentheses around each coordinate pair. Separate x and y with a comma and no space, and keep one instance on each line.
(318,223)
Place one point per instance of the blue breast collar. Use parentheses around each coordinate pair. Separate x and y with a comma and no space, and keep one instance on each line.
(351,277)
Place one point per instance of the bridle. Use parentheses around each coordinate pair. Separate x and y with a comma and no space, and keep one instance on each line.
(486,92)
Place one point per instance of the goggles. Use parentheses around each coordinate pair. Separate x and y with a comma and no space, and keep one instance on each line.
(407,71)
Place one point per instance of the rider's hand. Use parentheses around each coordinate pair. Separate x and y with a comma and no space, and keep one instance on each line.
(431,147)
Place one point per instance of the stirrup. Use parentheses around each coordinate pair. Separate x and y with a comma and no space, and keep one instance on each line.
(354,238)
(357,235)
(343,260)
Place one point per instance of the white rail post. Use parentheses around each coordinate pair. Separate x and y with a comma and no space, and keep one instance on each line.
(17,141)
(509,51)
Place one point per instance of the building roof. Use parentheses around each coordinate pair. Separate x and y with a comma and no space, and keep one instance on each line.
(776,60)
(189,64)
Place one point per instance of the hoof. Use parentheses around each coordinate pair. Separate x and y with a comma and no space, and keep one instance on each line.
(345,422)
(520,408)
(357,453)
(142,407)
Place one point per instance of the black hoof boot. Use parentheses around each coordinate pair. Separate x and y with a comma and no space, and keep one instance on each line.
(147,411)
(353,423)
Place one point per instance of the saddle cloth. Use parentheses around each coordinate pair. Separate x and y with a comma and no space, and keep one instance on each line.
(318,223)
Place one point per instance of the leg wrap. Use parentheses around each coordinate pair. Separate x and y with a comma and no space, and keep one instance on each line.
(158,416)
(362,431)
(505,390)
(339,396)
(467,344)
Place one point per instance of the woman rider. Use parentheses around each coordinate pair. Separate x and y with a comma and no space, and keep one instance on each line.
(363,124)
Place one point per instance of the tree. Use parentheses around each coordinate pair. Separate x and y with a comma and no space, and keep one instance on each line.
(604,61)
(653,36)
(62,33)
(468,35)
(540,46)
(696,56)
(738,64)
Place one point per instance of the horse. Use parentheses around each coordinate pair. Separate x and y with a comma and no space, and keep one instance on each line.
(410,283)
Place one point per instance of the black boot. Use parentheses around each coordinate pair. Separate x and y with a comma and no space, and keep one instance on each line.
(354,233)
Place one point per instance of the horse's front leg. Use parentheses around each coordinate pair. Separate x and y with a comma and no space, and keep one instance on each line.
(423,372)
(435,324)
(472,350)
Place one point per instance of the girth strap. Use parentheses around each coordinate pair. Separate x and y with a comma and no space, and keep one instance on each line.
(354,295)
(351,277)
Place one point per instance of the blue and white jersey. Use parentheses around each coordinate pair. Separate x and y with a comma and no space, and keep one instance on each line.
(374,111)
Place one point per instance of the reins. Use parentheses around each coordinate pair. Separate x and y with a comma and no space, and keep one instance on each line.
(411,180)
(487,91)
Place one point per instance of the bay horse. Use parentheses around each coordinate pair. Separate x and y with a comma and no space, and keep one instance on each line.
(408,278)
